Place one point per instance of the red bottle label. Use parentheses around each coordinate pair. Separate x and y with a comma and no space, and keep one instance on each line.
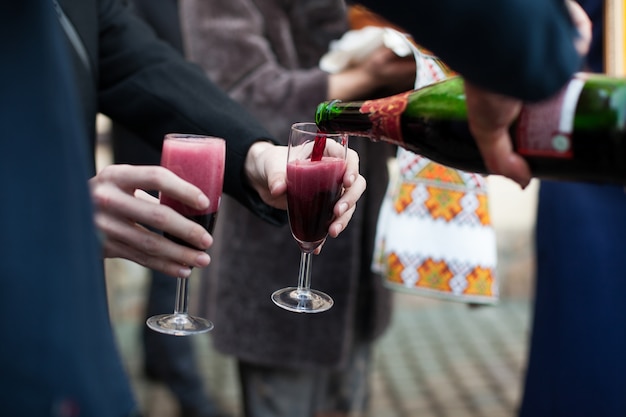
(385,116)
(545,128)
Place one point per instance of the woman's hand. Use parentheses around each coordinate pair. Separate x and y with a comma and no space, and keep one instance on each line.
(380,73)
(266,169)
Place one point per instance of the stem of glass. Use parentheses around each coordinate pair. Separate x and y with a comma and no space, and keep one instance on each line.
(304,275)
(182,295)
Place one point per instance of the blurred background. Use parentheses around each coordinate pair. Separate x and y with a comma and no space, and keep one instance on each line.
(438,358)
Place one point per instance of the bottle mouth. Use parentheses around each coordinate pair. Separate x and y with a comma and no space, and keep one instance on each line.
(324,110)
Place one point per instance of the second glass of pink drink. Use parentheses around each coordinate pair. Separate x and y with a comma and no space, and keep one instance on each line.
(199,160)
(316,164)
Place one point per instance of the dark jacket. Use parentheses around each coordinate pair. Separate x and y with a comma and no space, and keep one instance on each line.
(145,85)
(578,336)
(58,354)
(522,48)
(270,66)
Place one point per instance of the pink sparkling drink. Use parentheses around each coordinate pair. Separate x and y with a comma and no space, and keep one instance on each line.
(313,188)
(199,161)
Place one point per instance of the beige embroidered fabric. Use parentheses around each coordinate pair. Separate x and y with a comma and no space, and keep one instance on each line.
(434,235)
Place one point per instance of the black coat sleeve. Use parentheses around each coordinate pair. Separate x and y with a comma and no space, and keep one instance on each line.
(522,48)
(148,87)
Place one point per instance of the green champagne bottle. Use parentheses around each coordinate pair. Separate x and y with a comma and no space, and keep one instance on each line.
(577,135)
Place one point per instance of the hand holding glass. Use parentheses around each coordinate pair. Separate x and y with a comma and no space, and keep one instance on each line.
(316,164)
(199,160)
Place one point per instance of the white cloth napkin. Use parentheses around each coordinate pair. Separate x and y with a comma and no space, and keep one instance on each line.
(355,45)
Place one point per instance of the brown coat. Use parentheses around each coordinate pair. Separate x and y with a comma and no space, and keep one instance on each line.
(265,54)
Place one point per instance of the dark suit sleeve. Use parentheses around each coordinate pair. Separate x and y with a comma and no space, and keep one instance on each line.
(60,353)
(162,16)
(522,48)
(148,87)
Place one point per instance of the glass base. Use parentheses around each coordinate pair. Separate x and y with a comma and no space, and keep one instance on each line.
(302,301)
(179,324)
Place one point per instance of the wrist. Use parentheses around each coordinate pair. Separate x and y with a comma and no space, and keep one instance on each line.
(351,84)
(253,157)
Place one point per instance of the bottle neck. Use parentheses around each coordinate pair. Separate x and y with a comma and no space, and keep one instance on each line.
(346,117)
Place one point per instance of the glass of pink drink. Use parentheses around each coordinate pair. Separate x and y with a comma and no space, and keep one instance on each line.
(199,160)
(316,164)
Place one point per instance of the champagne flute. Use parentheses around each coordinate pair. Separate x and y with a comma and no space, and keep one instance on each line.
(316,164)
(199,160)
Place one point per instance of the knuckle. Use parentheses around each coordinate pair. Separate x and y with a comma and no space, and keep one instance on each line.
(153,173)
(110,173)
(100,197)
(196,233)
(159,216)
(150,245)
(363,181)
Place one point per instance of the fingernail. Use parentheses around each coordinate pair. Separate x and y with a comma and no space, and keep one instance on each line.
(184,272)
(342,208)
(206,241)
(203,201)
(203,259)
(352,178)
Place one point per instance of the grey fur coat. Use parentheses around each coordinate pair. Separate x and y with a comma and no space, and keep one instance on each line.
(265,54)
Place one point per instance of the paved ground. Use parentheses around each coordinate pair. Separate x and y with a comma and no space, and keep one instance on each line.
(450,361)
(438,359)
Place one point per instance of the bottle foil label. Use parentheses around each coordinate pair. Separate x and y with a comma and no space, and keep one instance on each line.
(545,128)
(385,115)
